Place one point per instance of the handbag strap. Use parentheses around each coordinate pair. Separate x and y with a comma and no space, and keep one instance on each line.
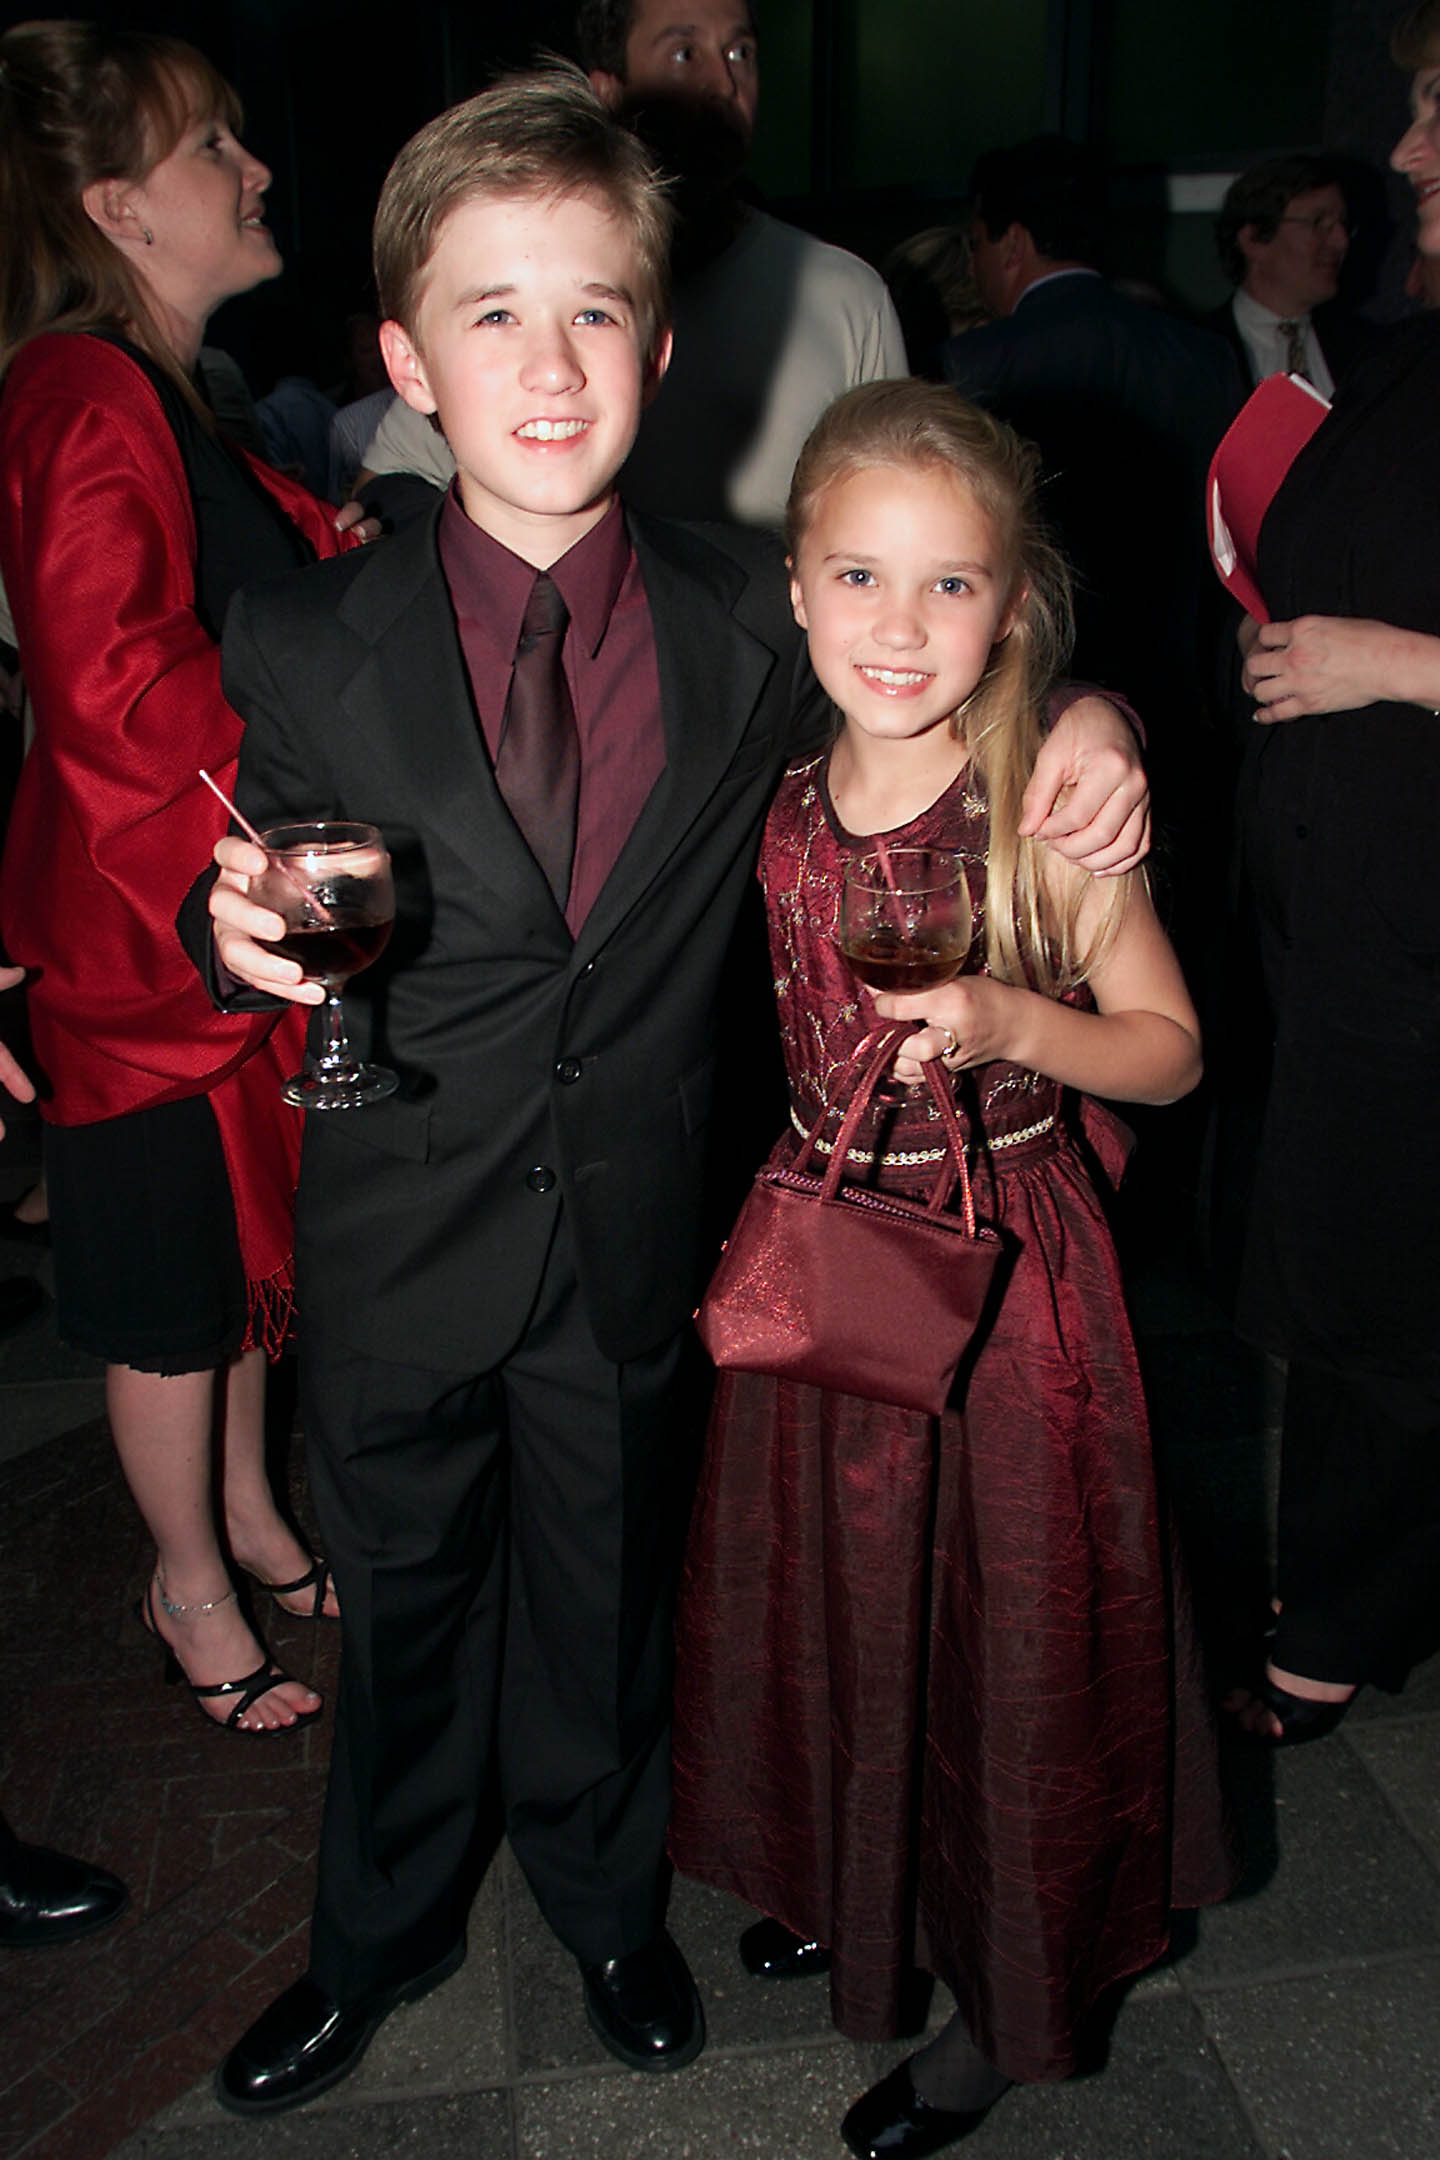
(858,1079)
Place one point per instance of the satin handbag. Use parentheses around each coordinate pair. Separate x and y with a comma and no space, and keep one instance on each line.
(850,1289)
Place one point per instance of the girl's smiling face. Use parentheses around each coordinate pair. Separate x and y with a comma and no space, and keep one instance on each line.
(901,583)
(1417,155)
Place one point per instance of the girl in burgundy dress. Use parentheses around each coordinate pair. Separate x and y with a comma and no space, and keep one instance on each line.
(931,1710)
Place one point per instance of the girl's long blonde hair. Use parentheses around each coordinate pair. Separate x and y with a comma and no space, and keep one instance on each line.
(1028,938)
(80,103)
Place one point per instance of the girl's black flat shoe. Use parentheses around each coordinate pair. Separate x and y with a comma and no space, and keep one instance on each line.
(892,2122)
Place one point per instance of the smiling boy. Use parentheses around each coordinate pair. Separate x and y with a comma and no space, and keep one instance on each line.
(497,1267)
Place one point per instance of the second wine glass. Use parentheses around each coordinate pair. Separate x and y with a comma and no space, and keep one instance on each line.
(905,918)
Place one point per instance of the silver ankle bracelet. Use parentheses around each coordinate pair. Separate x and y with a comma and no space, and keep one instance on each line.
(174,1612)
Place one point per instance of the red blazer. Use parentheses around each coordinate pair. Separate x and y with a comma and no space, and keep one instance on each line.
(111,824)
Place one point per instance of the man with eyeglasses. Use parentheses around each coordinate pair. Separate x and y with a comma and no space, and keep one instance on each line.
(1283,233)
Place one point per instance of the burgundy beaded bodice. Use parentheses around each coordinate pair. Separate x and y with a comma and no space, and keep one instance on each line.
(824,1012)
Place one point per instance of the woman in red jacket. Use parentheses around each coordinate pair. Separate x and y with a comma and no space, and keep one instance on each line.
(131,210)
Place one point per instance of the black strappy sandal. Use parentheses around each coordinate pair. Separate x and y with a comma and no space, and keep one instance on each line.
(316,1576)
(246,1692)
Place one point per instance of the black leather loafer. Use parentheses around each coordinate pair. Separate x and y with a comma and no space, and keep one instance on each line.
(304,2043)
(644,2007)
(769,1951)
(47,1898)
(892,2122)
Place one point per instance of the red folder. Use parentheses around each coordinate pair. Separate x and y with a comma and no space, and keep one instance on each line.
(1255,453)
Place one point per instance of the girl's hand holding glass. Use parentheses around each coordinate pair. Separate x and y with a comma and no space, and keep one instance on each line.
(965,1023)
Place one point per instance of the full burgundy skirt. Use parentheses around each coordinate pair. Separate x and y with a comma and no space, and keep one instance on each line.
(938,1701)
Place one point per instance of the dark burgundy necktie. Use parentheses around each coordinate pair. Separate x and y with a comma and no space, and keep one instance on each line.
(537,767)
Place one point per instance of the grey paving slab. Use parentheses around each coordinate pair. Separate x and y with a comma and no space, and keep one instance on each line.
(1419,1697)
(468,2126)
(1332,1874)
(1338,2068)
(35,1411)
(547,2009)
(741,2011)
(1403,1757)
(781,2104)
(1163,2092)
(1162,2095)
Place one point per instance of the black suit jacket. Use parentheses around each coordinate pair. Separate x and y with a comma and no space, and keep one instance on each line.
(535,1071)
(1344,337)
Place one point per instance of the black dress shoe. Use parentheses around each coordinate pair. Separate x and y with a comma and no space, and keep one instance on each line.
(46,1897)
(771,1952)
(644,2007)
(892,2122)
(304,2043)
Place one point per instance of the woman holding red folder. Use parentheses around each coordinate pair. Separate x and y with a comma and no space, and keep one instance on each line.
(1342,1270)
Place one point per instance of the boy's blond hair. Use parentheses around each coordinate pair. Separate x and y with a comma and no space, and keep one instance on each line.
(538,136)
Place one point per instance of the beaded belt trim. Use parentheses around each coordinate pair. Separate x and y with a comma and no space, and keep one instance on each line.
(912,1158)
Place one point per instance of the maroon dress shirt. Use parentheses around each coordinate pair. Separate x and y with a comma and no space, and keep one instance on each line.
(610,665)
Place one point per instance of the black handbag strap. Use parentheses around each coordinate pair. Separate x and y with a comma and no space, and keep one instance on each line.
(856,1084)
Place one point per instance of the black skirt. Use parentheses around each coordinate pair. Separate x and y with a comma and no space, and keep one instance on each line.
(147,1257)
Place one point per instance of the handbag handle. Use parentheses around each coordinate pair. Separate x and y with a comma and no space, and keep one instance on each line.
(870,1059)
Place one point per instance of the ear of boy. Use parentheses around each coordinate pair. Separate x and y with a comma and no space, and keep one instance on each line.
(405,366)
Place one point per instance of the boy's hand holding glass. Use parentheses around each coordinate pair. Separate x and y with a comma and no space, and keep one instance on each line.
(296,916)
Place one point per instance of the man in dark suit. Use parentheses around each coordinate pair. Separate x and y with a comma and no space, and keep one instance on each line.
(1283,235)
(497,1267)
(1125,404)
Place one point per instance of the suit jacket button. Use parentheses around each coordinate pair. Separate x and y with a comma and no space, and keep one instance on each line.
(567,1072)
(541,1178)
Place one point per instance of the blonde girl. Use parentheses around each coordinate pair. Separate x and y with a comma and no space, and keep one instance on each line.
(932,1710)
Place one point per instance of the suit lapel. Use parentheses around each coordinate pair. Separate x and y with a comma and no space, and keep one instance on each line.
(415,666)
(712,674)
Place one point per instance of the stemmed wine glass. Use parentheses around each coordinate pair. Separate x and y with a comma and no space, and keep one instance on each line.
(905,917)
(331,881)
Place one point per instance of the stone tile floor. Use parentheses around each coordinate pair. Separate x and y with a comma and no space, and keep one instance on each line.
(1300,2022)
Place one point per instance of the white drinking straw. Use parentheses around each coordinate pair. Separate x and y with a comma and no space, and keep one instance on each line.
(307,893)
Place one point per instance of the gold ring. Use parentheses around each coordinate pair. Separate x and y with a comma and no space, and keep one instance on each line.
(952,1045)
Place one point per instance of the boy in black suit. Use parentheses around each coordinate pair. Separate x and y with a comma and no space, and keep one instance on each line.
(497,1267)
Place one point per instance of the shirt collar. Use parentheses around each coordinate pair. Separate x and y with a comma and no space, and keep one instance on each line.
(1252,314)
(492,584)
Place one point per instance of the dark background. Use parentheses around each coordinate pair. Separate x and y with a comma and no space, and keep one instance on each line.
(872,112)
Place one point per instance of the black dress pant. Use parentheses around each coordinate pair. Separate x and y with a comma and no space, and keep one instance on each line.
(505,1545)
(1358,1573)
